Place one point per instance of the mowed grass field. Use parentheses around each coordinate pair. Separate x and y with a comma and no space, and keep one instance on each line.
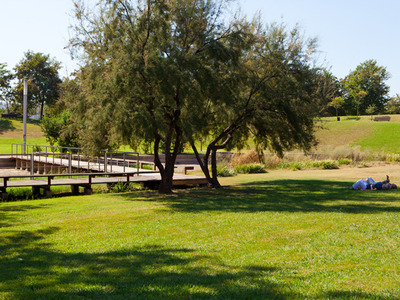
(11,132)
(371,136)
(280,235)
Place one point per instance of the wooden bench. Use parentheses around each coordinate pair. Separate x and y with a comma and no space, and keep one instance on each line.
(383,118)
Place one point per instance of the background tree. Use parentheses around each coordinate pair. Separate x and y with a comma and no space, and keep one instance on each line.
(6,91)
(368,77)
(337,103)
(358,97)
(43,80)
(371,110)
(393,105)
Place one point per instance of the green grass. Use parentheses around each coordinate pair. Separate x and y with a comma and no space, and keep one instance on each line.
(369,135)
(385,136)
(261,237)
(11,132)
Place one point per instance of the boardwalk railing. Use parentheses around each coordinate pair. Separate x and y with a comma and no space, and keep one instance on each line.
(78,158)
(75,180)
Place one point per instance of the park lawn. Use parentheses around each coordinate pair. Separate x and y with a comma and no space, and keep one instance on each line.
(385,136)
(376,137)
(11,132)
(283,234)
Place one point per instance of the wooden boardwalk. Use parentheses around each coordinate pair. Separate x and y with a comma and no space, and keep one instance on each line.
(150,179)
(43,173)
(44,163)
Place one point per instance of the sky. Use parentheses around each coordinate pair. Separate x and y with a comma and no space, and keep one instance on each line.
(349,31)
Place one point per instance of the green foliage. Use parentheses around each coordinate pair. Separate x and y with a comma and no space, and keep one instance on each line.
(55,129)
(393,105)
(337,103)
(253,168)
(124,187)
(225,171)
(344,161)
(299,165)
(366,86)
(290,165)
(43,81)
(330,165)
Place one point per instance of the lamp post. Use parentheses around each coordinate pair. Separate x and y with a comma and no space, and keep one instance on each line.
(25,112)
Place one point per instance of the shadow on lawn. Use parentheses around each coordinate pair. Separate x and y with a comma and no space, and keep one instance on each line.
(6,125)
(30,269)
(285,196)
(7,219)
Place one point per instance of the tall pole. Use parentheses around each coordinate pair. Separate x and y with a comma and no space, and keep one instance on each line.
(25,111)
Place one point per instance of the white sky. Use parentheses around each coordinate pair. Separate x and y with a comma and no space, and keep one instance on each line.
(349,32)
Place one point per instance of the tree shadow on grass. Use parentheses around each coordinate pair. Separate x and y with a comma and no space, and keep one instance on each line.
(30,269)
(284,196)
(6,125)
(7,219)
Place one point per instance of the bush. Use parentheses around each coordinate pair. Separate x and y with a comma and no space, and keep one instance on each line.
(290,165)
(392,157)
(250,169)
(344,161)
(329,165)
(121,187)
(225,171)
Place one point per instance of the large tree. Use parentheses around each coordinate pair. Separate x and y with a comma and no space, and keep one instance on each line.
(272,95)
(168,71)
(143,67)
(43,80)
(366,86)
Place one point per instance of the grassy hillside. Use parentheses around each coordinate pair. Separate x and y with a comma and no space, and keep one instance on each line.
(369,135)
(11,132)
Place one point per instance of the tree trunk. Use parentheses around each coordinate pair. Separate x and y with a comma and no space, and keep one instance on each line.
(167,170)
(203,165)
(214,171)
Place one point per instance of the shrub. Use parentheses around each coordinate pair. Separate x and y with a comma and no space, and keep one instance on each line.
(392,157)
(344,161)
(225,171)
(250,169)
(120,187)
(290,165)
(329,165)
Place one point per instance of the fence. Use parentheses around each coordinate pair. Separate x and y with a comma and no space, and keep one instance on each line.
(76,157)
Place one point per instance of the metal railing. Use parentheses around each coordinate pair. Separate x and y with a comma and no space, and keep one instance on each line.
(76,157)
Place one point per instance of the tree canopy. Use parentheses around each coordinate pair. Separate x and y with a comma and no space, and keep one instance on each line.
(366,86)
(169,71)
(43,81)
